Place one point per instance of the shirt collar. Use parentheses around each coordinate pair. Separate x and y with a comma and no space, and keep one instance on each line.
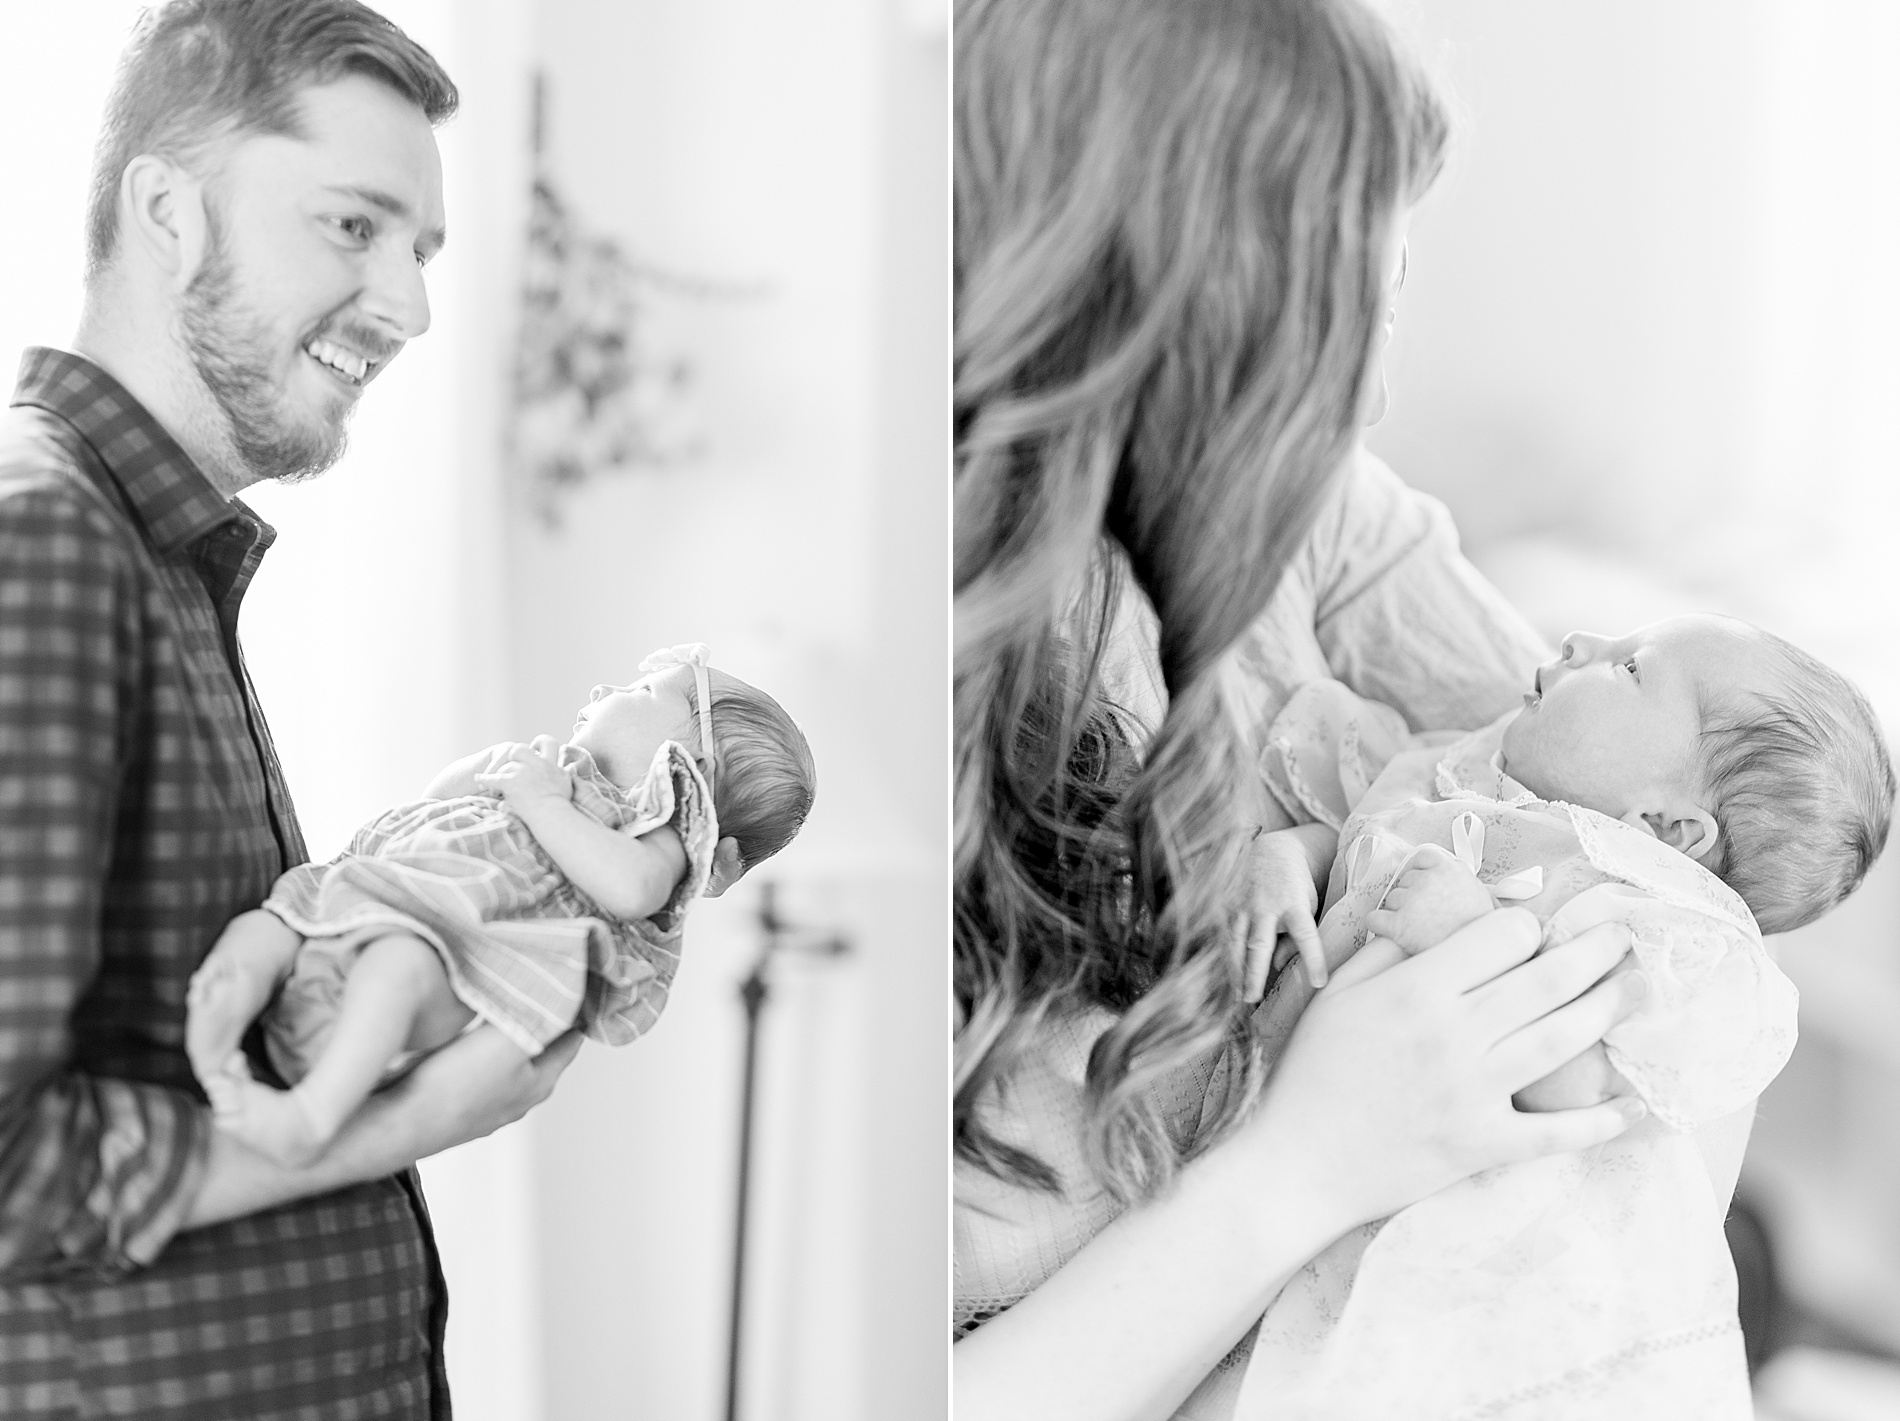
(170,495)
(1474,766)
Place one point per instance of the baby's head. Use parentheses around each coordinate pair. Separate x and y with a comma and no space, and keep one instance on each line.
(760,767)
(1730,744)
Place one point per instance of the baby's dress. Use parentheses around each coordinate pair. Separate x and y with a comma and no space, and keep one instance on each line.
(1592,1285)
(525,949)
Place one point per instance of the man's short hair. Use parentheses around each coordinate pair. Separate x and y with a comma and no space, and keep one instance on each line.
(199,72)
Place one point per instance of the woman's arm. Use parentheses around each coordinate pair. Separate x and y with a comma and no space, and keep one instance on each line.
(629,877)
(1402,616)
(1396,1083)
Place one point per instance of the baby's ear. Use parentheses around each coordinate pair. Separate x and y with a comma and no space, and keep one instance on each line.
(1690,829)
(727,867)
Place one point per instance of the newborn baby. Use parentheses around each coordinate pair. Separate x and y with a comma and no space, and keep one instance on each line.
(532,887)
(1692,780)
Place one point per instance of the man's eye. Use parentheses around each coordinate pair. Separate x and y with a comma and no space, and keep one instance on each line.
(357,227)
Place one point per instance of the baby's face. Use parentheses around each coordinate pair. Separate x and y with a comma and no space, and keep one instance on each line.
(623,727)
(1616,720)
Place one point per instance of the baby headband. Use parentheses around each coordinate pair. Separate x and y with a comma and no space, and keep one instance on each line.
(695,654)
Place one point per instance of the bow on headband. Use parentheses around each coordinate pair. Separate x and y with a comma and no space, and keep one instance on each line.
(695,654)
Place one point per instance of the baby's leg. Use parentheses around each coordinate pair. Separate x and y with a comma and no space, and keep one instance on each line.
(397,996)
(231,986)
(1429,902)
(1584,1080)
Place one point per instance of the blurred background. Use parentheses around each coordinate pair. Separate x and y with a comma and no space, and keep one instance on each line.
(722,418)
(1645,353)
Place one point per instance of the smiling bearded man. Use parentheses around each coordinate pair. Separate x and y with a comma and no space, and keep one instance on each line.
(266,193)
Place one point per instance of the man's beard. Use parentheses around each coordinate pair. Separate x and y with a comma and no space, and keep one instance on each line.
(231,350)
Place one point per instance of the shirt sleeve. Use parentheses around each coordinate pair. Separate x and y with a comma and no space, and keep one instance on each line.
(1403,618)
(95,1174)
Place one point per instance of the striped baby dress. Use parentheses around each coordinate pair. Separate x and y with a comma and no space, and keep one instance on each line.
(524,948)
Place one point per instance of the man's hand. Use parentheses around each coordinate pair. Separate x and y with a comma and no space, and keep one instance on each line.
(481,1082)
(526,775)
(470,1088)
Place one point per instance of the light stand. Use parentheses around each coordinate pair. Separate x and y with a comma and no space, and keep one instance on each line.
(776,935)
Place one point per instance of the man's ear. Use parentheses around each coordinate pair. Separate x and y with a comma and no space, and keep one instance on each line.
(1688,828)
(727,867)
(162,213)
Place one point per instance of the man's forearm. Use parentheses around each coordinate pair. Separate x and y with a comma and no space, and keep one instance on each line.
(469,1089)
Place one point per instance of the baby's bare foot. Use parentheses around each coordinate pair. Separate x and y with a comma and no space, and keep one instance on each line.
(222,1001)
(1429,902)
(272,1122)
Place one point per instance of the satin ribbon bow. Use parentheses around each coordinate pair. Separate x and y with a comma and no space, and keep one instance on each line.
(695,654)
(1467,842)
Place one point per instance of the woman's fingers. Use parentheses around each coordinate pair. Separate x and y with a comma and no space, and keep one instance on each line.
(1514,999)
(1484,950)
(1534,1051)
(1369,961)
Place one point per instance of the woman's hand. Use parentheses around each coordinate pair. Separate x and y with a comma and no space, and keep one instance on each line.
(525,775)
(1396,1083)
(1399,1077)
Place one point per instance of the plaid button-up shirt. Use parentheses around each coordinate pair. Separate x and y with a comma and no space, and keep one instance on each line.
(141,807)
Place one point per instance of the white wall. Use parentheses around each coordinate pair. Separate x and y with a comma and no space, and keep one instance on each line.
(801,152)
(1648,309)
(55,65)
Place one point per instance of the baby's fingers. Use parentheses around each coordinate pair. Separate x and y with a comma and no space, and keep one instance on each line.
(1261,960)
(1298,925)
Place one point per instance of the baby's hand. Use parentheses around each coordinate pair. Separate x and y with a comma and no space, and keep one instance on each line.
(1429,902)
(526,775)
(1284,901)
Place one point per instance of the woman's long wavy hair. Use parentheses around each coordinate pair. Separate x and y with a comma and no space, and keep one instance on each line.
(1173,219)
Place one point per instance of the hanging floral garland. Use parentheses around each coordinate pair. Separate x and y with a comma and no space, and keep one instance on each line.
(592,393)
